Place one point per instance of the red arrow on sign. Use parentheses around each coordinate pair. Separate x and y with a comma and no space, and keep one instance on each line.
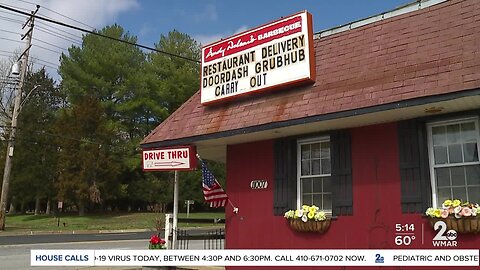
(168,164)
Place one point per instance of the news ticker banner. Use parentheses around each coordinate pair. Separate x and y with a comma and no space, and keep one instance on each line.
(256,257)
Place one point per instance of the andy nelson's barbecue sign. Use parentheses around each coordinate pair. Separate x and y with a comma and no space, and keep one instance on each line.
(269,56)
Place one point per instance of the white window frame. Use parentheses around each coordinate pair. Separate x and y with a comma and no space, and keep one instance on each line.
(432,165)
(299,167)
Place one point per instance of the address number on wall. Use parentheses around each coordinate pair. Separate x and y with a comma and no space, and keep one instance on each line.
(258,184)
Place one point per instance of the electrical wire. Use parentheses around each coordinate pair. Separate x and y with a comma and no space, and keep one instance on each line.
(48,43)
(47,49)
(56,31)
(11,32)
(9,39)
(100,35)
(10,20)
(53,11)
(40,29)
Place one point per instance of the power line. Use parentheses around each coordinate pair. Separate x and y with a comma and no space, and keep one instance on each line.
(43,65)
(100,35)
(53,11)
(10,19)
(11,32)
(55,30)
(18,15)
(9,39)
(53,45)
(9,54)
(36,45)
(44,30)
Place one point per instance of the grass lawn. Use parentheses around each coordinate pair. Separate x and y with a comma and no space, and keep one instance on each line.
(117,221)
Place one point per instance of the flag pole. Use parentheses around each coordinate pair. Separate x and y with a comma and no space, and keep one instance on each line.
(235,209)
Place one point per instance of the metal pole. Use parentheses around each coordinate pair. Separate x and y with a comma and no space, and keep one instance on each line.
(11,141)
(175,211)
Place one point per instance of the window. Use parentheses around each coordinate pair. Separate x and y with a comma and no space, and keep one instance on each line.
(314,173)
(454,161)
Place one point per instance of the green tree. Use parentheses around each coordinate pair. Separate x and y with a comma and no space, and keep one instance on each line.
(136,91)
(35,155)
(175,79)
(86,171)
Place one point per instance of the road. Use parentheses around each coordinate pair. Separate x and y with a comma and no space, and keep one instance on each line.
(15,250)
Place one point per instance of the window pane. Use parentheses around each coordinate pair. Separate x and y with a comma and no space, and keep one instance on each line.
(438,134)
(326,166)
(443,194)
(327,202)
(317,200)
(325,150)
(455,153)
(474,194)
(473,175)
(453,133)
(443,177)
(307,199)
(468,131)
(316,167)
(470,152)
(305,167)
(315,150)
(305,151)
(306,185)
(327,184)
(460,193)
(440,154)
(317,185)
(458,176)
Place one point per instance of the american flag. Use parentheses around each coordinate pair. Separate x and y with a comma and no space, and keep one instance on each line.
(212,191)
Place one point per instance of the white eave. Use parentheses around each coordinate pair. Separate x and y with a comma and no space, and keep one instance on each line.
(414,6)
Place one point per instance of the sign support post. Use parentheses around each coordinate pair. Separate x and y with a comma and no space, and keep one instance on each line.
(175,211)
(180,158)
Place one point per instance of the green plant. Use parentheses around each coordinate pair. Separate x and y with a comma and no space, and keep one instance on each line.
(306,213)
(455,208)
(156,242)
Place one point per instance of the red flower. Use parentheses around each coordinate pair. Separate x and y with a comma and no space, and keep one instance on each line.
(154,240)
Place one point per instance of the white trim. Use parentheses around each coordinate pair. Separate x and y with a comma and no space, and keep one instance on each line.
(431,157)
(299,164)
(414,6)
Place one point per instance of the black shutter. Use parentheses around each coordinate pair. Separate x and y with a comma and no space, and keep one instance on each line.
(414,166)
(341,155)
(285,186)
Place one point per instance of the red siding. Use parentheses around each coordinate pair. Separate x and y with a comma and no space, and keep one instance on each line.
(376,195)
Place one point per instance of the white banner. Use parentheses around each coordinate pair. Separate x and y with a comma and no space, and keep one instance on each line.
(257,257)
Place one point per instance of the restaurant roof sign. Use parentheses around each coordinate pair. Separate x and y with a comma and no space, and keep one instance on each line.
(267,57)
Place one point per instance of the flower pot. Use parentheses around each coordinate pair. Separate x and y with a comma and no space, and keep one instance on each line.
(310,226)
(460,225)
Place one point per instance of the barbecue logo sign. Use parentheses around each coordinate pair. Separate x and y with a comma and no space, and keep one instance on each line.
(267,57)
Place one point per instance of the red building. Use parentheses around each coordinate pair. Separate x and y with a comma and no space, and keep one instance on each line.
(388,127)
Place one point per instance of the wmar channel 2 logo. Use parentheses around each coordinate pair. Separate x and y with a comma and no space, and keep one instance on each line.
(444,238)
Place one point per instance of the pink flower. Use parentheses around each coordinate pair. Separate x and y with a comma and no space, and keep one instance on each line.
(444,213)
(466,212)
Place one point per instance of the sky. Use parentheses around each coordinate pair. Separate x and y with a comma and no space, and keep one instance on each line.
(204,20)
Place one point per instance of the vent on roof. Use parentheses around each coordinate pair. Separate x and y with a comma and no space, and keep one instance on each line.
(417,5)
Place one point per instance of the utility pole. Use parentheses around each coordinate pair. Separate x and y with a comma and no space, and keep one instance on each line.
(16,109)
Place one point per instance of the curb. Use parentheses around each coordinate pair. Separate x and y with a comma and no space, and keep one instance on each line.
(6,233)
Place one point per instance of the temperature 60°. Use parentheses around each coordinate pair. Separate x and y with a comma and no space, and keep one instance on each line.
(404,240)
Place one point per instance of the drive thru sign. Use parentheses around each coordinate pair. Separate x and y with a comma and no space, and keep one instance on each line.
(170,159)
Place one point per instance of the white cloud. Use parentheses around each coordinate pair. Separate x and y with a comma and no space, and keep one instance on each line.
(207,39)
(209,13)
(93,13)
